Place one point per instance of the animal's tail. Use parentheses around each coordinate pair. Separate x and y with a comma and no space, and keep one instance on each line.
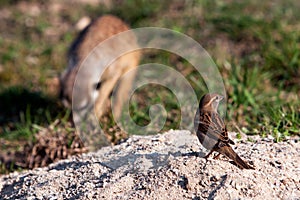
(228,151)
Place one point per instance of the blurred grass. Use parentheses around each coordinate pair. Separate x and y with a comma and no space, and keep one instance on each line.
(264,80)
(256,45)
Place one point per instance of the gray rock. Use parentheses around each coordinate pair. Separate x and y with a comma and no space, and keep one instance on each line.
(166,166)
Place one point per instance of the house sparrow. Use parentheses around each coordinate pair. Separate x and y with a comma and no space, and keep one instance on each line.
(211,130)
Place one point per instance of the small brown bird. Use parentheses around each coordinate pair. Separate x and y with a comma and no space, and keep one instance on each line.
(211,130)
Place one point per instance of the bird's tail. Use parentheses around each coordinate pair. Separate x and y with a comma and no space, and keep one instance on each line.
(228,151)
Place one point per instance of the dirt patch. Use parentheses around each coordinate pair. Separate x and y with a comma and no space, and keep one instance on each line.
(166,166)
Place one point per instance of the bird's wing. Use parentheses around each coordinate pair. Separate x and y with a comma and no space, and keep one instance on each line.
(214,127)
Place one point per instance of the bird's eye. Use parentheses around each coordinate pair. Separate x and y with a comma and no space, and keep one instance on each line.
(217,97)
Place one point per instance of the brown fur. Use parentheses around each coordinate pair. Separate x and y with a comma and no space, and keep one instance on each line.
(98,31)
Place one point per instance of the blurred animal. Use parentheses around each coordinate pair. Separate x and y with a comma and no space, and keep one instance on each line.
(211,130)
(91,74)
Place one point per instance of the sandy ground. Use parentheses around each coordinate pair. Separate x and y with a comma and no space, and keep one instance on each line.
(166,166)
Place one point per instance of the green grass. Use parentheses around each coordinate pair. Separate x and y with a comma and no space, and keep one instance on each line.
(258,57)
(282,121)
(22,108)
(259,77)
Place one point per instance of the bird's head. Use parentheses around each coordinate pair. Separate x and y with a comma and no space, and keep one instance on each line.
(210,102)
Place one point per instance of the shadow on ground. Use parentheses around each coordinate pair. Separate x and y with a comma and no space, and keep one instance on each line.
(18,103)
(20,110)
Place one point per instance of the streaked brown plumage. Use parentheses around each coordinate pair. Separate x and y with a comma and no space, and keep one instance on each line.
(211,130)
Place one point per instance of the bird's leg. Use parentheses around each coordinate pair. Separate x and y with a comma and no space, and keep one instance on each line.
(205,157)
(217,156)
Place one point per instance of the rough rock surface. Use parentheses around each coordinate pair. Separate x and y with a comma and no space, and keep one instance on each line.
(166,166)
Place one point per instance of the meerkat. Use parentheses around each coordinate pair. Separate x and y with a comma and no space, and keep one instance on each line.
(84,89)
